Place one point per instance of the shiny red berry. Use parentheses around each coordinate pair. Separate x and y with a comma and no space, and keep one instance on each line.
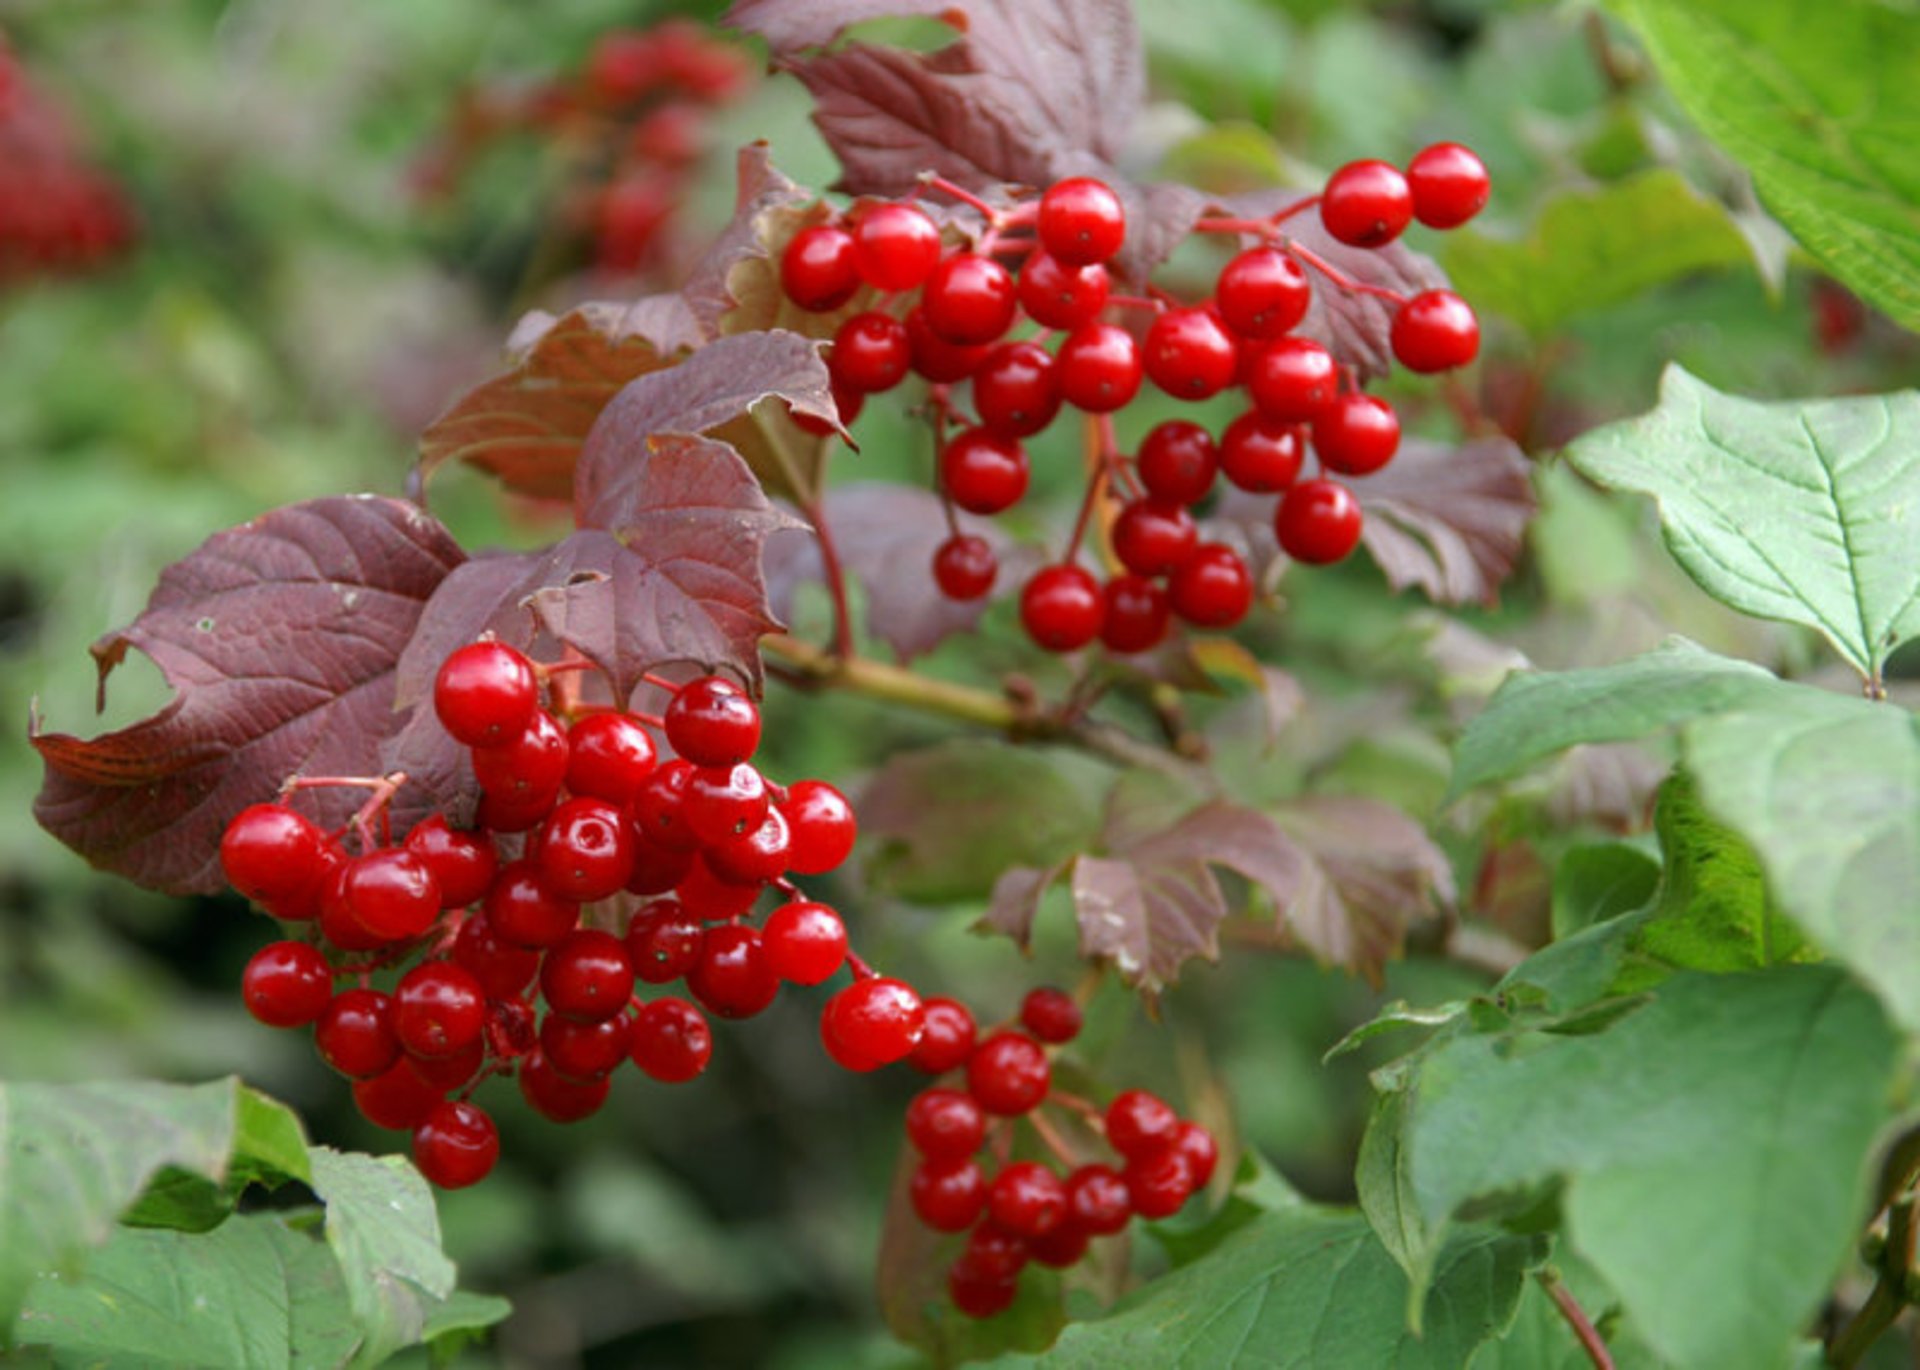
(983,472)
(587,975)
(463,863)
(1436,330)
(1177,462)
(608,756)
(1263,293)
(1202,1153)
(585,850)
(733,978)
(1318,522)
(948,1038)
(965,566)
(354,1034)
(1356,434)
(1151,539)
(1050,1014)
(724,803)
(945,1124)
(656,869)
(870,353)
(664,941)
(819,271)
(391,893)
(1028,1199)
(1098,368)
(1097,1200)
(1140,1124)
(756,858)
(969,299)
(526,771)
(805,942)
(1081,221)
(1292,379)
(711,722)
(556,1097)
(948,1196)
(287,984)
(456,1145)
(895,246)
(1260,454)
(1060,1247)
(936,358)
(1212,588)
(1062,608)
(270,853)
(503,969)
(977,1295)
(525,911)
(1366,203)
(1159,1183)
(398,1099)
(1008,1073)
(821,825)
(585,1051)
(671,1041)
(1449,185)
(1056,295)
(439,1009)
(1137,614)
(659,809)
(1014,392)
(485,694)
(707,897)
(1190,354)
(872,1023)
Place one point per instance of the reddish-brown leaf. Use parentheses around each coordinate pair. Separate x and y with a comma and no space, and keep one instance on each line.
(768,209)
(1451,520)
(1015,901)
(280,639)
(1147,918)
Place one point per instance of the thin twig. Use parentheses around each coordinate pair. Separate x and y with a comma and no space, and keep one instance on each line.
(1583,1329)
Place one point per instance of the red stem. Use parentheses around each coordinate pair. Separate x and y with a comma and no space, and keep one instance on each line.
(1102,465)
(1053,1140)
(1339,277)
(836,580)
(1583,1329)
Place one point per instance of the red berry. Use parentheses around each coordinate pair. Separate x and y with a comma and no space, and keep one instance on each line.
(287,984)
(1189,354)
(608,756)
(965,566)
(1435,331)
(585,850)
(711,722)
(444,1073)
(1449,185)
(1050,1014)
(503,969)
(983,472)
(723,803)
(485,694)
(1056,295)
(948,1196)
(872,1023)
(1097,1200)
(1008,1073)
(391,893)
(1177,462)
(337,923)
(947,1041)
(1137,614)
(992,1252)
(937,359)
(354,1034)
(1202,1153)
(1212,588)
(870,353)
(1061,1247)
(1318,522)
(671,1041)
(1014,392)
(1098,368)
(624,63)
(1292,379)
(819,271)
(706,896)
(1263,293)
(1081,221)
(587,975)
(463,863)
(1158,1184)
(1062,608)
(1366,203)
(1151,539)
(397,1099)
(499,813)
(664,942)
(525,911)
(270,853)
(656,869)
(945,1124)
(821,826)
(456,1145)
(659,810)
(438,1010)
(758,858)
(1028,1199)
(1261,455)
(805,942)
(305,903)
(1356,434)
(554,1096)
(1140,1124)
(977,1296)
(969,299)
(895,246)
(527,769)
(733,978)
(510,1033)
(585,1052)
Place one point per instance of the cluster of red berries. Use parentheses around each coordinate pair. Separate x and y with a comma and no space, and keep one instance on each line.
(56,213)
(635,116)
(505,940)
(1023,1210)
(945,314)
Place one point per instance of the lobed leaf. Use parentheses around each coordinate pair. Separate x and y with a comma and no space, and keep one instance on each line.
(384,1232)
(1451,520)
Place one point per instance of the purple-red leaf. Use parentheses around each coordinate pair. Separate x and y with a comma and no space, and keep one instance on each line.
(1015,901)
(1451,520)
(1147,918)
(717,292)
(280,639)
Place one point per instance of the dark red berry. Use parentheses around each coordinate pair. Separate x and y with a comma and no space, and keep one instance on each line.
(456,1145)
(977,1296)
(1292,379)
(1140,1124)
(1061,1247)
(287,984)
(503,969)
(872,1023)
(1098,369)
(438,1010)
(1151,539)
(969,299)
(556,1097)
(945,1124)
(1137,614)
(983,472)
(656,869)
(664,942)
(1028,1199)
(1081,221)
(303,903)
(948,1039)
(993,1252)
(1056,295)
(1177,462)
(1014,392)
(608,756)
(622,66)
(485,694)
(445,1073)
(895,246)
(463,863)
(1190,354)
(587,975)
(671,1041)
(1435,331)
(818,270)
(1008,1073)
(337,923)
(732,978)
(1050,1014)
(965,566)
(948,1196)
(711,722)
(1202,1153)
(1263,293)
(585,1051)
(270,853)
(707,897)
(1062,608)
(1260,454)
(805,942)
(397,1099)
(1159,1183)
(1318,522)
(391,893)
(510,1033)
(1366,203)
(724,803)
(528,768)
(821,827)
(938,359)
(525,911)
(498,813)
(354,1034)
(1356,434)
(758,858)
(870,353)
(659,810)
(1212,588)
(1449,185)
(1097,1200)
(585,851)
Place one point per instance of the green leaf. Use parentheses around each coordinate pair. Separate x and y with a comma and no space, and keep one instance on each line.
(384,1231)
(1535,714)
(255,1293)
(1298,1289)
(1802,511)
(1257,1189)
(1827,791)
(462,1320)
(1823,107)
(1395,1016)
(73,1158)
(1541,1340)
(1679,1133)
(1593,248)
(1604,880)
(269,1147)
